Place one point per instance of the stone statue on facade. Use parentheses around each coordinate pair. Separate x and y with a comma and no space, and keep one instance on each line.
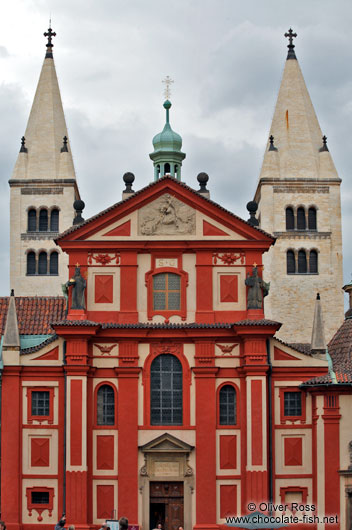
(78,284)
(258,288)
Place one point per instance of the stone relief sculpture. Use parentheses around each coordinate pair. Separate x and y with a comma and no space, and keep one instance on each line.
(167,216)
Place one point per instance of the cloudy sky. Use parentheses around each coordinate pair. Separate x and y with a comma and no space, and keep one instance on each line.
(226,57)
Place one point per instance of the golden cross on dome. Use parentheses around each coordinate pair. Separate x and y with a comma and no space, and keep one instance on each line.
(168,81)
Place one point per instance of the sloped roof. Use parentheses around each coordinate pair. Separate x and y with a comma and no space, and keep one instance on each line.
(150,186)
(340,350)
(34,313)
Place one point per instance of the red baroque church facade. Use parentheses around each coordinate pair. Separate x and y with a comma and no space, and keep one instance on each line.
(164,399)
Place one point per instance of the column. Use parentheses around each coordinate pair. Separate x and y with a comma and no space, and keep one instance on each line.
(76,433)
(128,290)
(11,447)
(128,374)
(331,419)
(204,271)
(205,436)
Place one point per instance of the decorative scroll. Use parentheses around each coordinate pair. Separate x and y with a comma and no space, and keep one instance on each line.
(174,349)
(229,258)
(105,349)
(103,259)
(226,349)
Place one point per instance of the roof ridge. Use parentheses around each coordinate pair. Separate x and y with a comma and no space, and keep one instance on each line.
(153,184)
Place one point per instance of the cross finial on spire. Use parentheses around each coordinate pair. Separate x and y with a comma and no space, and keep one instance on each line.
(272,146)
(291,47)
(64,148)
(168,81)
(49,46)
(23,145)
(325,144)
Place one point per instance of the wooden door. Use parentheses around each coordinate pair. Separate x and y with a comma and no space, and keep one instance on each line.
(169,494)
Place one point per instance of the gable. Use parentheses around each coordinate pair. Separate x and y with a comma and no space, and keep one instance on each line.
(166,209)
(283,355)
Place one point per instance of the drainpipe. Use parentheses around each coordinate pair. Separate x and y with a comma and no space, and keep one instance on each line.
(65,429)
(270,426)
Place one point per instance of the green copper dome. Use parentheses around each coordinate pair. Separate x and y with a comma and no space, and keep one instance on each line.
(167,139)
(167,155)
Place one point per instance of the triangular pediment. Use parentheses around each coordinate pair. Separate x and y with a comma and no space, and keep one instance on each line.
(166,209)
(294,355)
(166,443)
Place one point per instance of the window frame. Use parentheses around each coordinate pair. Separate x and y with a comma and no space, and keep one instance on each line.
(149,279)
(35,263)
(32,417)
(291,209)
(40,507)
(162,423)
(50,228)
(96,389)
(32,209)
(49,263)
(176,350)
(234,425)
(302,417)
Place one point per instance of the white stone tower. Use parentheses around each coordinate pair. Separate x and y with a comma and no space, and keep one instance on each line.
(298,194)
(42,191)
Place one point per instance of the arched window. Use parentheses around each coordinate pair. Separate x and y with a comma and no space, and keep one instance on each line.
(54,263)
(166,292)
(313,261)
(106,405)
(54,220)
(43,263)
(31,263)
(290,262)
(32,220)
(227,405)
(290,219)
(312,219)
(302,262)
(43,220)
(167,168)
(301,219)
(166,391)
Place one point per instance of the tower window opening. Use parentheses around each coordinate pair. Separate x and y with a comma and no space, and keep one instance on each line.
(43,263)
(54,263)
(290,262)
(31,263)
(302,262)
(43,220)
(301,219)
(167,168)
(313,262)
(290,219)
(312,219)
(32,220)
(54,220)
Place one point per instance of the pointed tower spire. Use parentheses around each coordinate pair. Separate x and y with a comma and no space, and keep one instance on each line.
(11,333)
(46,124)
(298,194)
(43,185)
(318,344)
(295,126)
(167,156)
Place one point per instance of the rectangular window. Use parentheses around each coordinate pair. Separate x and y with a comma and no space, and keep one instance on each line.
(40,497)
(40,403)
(292,404)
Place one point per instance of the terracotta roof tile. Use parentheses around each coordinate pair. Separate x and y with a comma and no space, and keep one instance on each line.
(34,313)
